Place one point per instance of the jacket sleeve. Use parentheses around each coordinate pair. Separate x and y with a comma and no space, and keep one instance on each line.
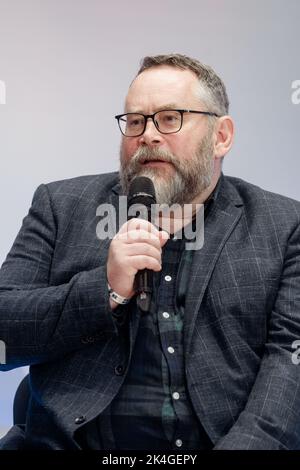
(271,418)
(39,322)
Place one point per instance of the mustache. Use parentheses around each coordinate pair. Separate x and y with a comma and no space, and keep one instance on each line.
(144,155)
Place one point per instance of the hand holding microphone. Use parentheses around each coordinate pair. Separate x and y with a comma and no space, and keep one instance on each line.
(135,251)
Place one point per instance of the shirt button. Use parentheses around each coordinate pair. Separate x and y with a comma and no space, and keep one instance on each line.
(80,419)
(88,339)
(176,395)
(168,278)
(119,370)
(178,442)
(166,315)
(171,350)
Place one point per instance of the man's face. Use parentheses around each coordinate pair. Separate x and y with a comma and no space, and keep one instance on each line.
(181,165)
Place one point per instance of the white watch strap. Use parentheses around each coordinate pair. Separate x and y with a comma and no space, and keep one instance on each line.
(119,299)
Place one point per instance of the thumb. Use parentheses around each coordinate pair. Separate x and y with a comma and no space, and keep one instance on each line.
(163,237)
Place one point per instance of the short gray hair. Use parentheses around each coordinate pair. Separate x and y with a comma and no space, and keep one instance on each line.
(212,89)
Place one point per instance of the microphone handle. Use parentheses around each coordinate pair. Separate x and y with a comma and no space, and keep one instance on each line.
(143,287)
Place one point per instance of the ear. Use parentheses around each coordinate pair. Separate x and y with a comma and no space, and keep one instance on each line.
(223,136)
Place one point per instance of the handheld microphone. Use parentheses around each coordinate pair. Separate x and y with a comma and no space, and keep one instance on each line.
(141,196)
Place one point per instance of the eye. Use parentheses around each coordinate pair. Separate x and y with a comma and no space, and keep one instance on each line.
(135,121)
(169,118)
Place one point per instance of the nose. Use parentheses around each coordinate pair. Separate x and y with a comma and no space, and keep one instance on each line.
(151,136)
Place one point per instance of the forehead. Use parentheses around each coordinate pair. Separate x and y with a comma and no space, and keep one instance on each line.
(161,86)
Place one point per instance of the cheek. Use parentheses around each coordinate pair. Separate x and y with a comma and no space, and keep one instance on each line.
(180,146)
(188,144)
(128,148)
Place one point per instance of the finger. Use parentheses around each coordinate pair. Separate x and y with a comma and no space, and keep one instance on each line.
(141,224)
(143,249)
(145,262)
(139,236)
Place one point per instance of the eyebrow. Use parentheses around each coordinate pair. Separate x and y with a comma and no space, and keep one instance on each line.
(159,108)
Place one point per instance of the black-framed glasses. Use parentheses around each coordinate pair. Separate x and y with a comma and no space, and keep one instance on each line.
(166,121)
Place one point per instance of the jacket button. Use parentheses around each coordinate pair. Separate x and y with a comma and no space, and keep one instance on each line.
(80,419)
(119,370)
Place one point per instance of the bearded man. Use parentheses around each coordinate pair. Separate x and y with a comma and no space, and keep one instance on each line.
(212,363)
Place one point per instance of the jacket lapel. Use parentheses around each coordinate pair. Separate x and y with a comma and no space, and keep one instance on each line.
(218,226)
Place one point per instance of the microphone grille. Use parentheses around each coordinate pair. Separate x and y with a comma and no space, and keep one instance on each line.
(142,191)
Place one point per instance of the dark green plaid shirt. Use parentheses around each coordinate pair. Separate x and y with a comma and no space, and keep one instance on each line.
(152,410)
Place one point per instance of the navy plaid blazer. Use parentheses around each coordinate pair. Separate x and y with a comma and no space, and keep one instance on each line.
(241,324)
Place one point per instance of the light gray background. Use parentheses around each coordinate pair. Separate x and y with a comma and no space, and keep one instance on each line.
(67,65)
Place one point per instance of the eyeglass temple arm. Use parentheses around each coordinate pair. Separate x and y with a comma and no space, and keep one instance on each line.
(208,113)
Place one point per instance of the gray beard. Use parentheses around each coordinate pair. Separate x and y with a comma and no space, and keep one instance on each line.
(190,178)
